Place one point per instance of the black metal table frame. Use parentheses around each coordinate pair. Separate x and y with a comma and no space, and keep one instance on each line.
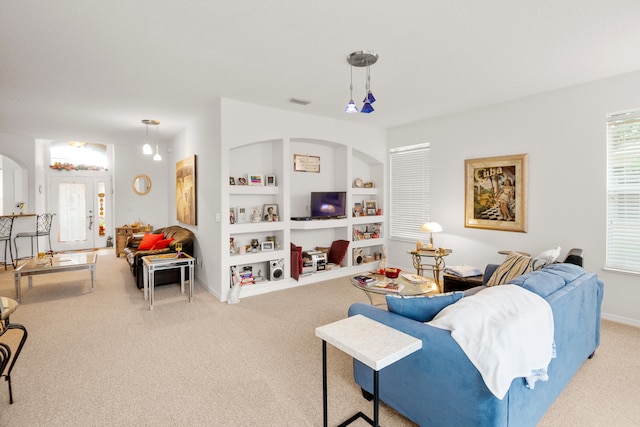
(376,396)
(5,352)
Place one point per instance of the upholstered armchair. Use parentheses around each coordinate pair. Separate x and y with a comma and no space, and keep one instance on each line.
(164,244)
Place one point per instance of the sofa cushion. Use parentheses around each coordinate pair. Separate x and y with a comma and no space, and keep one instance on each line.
(514,266)
(163,243)
(548,280)
(149,240)
(421,308)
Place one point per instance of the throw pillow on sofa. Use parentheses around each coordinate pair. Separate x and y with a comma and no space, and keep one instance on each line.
(149,240)
(549,256)
(162,243)
(515,265)
(421,308)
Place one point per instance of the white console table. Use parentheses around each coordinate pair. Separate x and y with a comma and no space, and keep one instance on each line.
(372,343)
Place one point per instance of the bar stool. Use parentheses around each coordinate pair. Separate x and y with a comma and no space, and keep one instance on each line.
(7,307)
(43,228)
(6,227)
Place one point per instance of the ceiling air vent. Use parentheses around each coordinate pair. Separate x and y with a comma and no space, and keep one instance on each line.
(299,101)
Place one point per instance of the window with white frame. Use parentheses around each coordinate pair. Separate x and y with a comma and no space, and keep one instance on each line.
(623,191)
(409,191)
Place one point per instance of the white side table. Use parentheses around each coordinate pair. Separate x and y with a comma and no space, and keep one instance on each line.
(153,263)
(372,343)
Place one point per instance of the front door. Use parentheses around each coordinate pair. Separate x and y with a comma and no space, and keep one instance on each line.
(80,204)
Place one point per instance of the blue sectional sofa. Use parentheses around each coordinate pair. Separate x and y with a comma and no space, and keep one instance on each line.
(439,386)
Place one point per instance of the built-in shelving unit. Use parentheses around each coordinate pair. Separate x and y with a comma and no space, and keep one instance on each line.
(340,166)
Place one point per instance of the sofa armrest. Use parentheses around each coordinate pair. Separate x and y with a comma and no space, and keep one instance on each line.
(134,240)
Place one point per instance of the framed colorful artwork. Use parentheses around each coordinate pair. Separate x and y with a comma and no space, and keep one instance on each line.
(186,206)
(496,193)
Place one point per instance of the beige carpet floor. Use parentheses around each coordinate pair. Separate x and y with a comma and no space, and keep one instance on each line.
(104,359)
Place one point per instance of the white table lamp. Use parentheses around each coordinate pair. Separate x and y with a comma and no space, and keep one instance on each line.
(431,227)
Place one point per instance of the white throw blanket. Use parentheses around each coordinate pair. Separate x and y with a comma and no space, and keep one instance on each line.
(505,331)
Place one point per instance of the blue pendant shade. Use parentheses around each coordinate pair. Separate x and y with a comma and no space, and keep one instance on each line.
(369,98)
(351,107)
(367,108)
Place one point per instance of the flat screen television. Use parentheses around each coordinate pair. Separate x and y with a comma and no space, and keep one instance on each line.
(328,204)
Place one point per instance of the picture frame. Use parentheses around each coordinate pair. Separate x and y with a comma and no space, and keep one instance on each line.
(496,193)
(232,181)
(255,179)
(242,180)
(371,207)
(242,214)
(270,213)
(233,218)
(186,191)
(270,180)
(266,246)
(358,210)
(306,163)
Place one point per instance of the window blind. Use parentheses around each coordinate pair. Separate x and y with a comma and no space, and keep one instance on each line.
(409,191)
(623,191)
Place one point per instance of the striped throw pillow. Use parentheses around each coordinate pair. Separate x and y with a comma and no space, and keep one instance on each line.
(515,265)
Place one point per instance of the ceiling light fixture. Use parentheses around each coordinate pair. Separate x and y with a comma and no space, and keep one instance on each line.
(157,156)
(362,58)
(146,148)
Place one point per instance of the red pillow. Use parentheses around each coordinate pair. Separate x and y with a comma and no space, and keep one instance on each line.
(149,240)
(164,243)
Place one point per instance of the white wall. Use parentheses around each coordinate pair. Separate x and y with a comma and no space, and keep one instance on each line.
(202,138)
(565,136)
(21,150)
(130,207)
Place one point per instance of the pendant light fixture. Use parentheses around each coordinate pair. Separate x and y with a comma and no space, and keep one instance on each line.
(146,148)
(157,156)
(351,106)
(362,58)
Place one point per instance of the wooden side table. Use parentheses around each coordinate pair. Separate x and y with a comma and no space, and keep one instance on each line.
(455,283)
(123,233)
(372,343)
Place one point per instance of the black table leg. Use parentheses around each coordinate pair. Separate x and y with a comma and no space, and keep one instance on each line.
(324,382)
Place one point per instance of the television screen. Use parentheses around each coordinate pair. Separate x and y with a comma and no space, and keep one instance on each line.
(328,204)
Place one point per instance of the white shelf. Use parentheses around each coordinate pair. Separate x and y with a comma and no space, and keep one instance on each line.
(254,257)
(365,243)
(371,219)
(318,224)
(253,189)
(364,191)
(256,227)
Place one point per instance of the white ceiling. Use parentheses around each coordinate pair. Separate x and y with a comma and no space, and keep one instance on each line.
(90,71)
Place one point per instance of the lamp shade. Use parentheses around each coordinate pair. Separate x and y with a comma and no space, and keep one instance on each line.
(431,227)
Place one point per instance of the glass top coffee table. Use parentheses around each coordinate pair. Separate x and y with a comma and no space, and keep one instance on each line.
(408,288)
(58,263)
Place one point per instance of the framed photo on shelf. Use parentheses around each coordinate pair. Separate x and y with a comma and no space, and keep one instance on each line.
(232,181)
(371,207)
(266,246)
(496,193)
(232,216)
(242,180)
(270,180)
(242,215)
(270,213)
(256,179)
(358,210)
